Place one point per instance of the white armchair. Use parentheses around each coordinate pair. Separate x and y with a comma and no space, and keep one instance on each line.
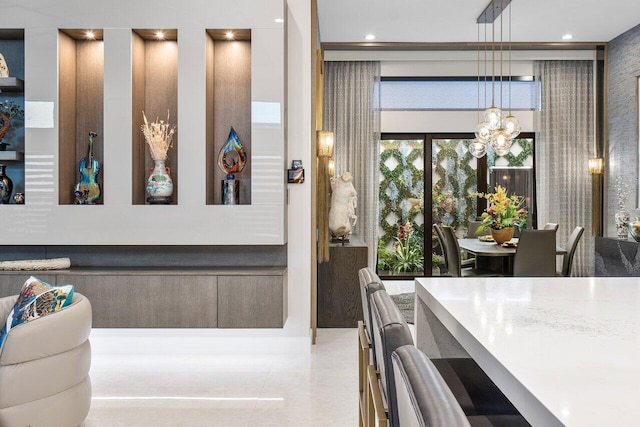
(44,368)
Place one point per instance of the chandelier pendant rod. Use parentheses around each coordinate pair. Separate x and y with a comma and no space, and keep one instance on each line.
(510,73)
(493,61)
(478,111)
(501,59)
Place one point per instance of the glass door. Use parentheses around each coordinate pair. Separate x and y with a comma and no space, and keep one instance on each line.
(401,207)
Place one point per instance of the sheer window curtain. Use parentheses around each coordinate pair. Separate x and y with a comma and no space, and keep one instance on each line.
(564,143)
(351,111)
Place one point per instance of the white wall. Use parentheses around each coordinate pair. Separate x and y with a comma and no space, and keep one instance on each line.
(43,221)
(299,148)
(46,16)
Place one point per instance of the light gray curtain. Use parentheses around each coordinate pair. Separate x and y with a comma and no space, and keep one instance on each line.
(564,143)
(351,111)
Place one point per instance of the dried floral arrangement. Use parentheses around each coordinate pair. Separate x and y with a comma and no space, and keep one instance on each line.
(159,136)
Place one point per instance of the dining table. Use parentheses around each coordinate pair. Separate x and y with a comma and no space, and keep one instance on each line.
(492,249)
(487,251)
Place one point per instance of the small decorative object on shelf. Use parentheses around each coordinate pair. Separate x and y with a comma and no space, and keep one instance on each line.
(87,189)
(232,158)
(622,224)
(634,229)
(622,216)
(4,70)
(296,173)
(6,186)
(18,198)
(342,212)
(8,111)
(159,136)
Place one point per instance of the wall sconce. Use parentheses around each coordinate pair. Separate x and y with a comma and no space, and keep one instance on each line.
(332,167)
(325,143)
(596,166)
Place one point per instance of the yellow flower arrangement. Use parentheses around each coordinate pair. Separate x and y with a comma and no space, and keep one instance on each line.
(503,210)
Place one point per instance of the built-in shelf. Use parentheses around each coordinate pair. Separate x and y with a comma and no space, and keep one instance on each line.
(81,89)
(137,72)
(11,84)
(228,101)
(155,91)
(12,90)
(11,156)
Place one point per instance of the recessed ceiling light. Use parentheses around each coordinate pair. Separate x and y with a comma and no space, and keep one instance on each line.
(90,35)
(370,37)
(229,35)
(279,20)
(567,37)
(160,35)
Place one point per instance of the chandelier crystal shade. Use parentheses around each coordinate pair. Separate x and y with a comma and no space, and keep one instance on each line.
(497,129)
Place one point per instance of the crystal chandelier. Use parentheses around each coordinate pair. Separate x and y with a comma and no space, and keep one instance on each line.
(496,130)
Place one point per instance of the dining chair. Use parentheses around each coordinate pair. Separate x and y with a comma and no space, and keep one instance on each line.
(467,263)
(454,261)
(572,244)
(425,397)
(550,226)
(536,254)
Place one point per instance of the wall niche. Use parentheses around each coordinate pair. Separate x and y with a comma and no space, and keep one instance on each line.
(81,111)
(12,96)
(155,91)
(228,105)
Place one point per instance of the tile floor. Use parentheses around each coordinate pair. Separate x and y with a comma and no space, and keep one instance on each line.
(292,389)
(187,383)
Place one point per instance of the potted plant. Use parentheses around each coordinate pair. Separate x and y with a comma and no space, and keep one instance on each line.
(503,213)
(407,255)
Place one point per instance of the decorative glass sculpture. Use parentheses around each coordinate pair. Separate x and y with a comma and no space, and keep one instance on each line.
(232,160)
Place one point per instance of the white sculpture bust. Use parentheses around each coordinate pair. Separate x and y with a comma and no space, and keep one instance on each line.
(342,213)
(4,70)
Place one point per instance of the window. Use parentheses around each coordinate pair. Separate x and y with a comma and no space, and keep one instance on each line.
(453,93)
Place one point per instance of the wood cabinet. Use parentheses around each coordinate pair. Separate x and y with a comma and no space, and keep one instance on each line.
(253,301)
(173,298)
(339,304)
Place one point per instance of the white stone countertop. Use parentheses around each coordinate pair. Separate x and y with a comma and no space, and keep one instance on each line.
(566,351)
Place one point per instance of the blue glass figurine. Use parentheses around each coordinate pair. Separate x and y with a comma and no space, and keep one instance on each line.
(232,159)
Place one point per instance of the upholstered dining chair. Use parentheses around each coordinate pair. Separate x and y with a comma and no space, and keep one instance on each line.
(536,254)
(472,388)
(369,284)
(467,263)
(572,244)
(550,226)
(454,262)
(424,398)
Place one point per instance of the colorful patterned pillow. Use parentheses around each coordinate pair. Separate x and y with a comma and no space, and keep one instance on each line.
(36,299)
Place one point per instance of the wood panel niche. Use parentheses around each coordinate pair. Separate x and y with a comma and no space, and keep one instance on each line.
(81,108)
(155,91)
(228,104)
